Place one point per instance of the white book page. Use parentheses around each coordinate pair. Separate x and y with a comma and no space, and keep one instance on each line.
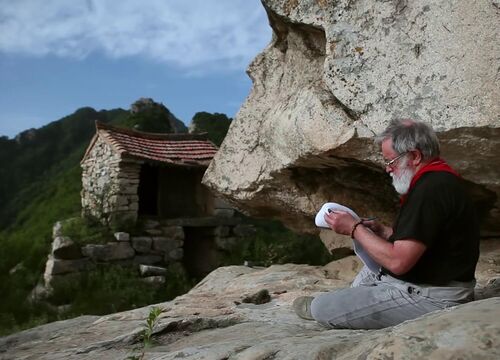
(358,249)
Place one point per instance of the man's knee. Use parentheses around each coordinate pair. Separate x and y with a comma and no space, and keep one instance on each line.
(352,308)
(318,309)
(326,307)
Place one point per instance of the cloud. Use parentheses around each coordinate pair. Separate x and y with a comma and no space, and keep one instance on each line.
(189,34)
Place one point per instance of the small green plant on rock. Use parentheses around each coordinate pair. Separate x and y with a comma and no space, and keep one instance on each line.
(147,332)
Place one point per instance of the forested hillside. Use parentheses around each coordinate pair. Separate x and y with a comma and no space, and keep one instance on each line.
(37,155)
(40,183)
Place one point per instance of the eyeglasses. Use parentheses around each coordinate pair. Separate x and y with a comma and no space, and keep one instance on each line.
(390,163)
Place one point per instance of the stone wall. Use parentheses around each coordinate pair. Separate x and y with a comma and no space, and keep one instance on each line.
(109,185)
(161,243)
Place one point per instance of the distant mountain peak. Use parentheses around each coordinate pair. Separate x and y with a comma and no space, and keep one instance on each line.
(26,136)
(146,104)
(149,106)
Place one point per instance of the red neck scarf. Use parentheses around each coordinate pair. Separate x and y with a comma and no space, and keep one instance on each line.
(437,164)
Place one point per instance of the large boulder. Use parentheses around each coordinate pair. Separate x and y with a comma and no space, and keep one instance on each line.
(333,76)
(216,321)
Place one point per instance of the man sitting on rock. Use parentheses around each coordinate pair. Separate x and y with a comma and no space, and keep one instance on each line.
(428,258)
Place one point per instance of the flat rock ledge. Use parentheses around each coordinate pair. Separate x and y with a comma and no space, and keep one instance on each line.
(213,322)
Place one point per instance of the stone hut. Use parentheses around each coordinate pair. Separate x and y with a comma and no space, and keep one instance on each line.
(128,174)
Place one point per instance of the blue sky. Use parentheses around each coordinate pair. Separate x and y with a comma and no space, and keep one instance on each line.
(57,56)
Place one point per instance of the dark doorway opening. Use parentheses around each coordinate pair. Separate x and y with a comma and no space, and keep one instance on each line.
(200,253)
(148,190)
(181,193)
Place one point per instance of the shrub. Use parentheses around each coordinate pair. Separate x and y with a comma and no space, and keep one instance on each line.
(216,125)
(275,244)
(84,230)
(115,288)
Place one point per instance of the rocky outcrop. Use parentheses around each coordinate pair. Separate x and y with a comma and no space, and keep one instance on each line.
(64,248)
(148,104)
(333,75)
(240,312)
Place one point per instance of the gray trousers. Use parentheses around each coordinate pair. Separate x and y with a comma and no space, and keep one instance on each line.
(376,301)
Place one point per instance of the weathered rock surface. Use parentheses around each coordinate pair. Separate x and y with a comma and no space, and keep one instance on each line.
(65,248)
(142,244)
(109,252)
(333,75)
(59,267)
(213,322)
(155,280)
(147,270)
(165,245)
(122,236)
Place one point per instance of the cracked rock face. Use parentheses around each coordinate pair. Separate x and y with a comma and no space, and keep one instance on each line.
(334,75)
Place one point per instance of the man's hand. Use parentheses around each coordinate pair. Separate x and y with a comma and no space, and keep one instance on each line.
(379,229)
(340,221)
(398,257)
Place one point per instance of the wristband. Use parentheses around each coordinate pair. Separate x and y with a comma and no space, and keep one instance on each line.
(354,228)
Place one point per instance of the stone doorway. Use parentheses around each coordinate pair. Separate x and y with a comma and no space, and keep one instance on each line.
(181,194)
(200,251)
(173,192)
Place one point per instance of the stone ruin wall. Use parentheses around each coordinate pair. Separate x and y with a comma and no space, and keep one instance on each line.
(109,185)
(161,244)
(333,76)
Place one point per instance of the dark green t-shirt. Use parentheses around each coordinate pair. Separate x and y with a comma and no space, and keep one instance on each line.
(439,213)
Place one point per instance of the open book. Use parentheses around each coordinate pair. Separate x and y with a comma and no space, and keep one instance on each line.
(358,249)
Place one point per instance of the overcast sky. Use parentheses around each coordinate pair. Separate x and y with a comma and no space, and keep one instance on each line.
(59,55)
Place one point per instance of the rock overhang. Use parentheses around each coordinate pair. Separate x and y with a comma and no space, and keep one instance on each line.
(333,76)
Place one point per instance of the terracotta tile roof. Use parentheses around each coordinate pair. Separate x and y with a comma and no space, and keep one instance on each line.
(178,149)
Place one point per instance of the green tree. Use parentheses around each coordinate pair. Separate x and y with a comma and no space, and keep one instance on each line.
(216,125)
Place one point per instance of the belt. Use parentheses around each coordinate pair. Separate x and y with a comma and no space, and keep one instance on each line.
(454,291)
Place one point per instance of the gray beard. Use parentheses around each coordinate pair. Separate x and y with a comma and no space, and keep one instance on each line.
(402,182)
